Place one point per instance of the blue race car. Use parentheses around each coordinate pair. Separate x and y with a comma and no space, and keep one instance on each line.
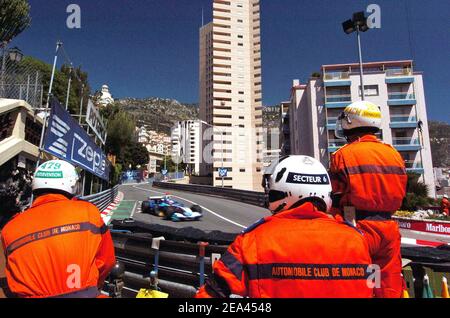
(170,209)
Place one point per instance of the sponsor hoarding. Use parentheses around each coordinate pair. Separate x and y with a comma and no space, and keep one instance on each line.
(66,140)
(94,120)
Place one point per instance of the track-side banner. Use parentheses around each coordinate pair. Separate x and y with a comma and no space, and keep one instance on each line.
(66,140)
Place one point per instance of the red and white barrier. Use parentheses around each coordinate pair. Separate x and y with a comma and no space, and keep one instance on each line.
(424,232)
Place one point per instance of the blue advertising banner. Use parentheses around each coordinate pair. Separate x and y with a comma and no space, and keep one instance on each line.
(66,140)
(132,175)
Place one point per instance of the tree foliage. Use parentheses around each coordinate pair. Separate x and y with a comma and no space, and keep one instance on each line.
(440,143)
(416,194)
(171,166)
(135,155)
(121,138)
(120,133)
(14,19)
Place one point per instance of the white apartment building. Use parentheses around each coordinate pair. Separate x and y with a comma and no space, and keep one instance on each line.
(187,144)
(158,145)
(230,92)
(393,85)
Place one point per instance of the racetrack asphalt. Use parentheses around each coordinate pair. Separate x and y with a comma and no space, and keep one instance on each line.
(218,213)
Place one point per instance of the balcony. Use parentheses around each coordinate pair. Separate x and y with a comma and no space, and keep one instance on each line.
(403,121)
(414,166)
(332,79)
(406,143)
(331,123)
(400,99)
(338,101)
(335,144)
(398,76)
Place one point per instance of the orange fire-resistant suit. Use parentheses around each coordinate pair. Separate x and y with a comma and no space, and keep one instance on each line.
(297,253)
(57,248)
(371,177)
(445,204)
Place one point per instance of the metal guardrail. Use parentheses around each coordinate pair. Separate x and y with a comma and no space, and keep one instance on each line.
(103,199)
(249,197)
(181,267)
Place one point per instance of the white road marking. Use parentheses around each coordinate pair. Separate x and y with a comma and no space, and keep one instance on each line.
(134,209)
(192,202)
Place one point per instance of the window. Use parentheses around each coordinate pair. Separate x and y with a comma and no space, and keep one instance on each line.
(240,36)
(240,20)
(369,90)
(241,170)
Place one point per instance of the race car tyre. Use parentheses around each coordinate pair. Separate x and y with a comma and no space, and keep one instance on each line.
(196,208)
(145,207)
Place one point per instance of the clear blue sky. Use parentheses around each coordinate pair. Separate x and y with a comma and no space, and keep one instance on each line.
(145,48)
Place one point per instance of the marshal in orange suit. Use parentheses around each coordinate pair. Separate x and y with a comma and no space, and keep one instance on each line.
(369,182)
(60,247)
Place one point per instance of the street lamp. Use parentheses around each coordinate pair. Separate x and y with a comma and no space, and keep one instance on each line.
(359,24)
(15,55)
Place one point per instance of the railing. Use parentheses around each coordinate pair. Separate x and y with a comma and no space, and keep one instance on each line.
(249,197)
(334,143)
(103,199)
(412,164)
(403,141)
(178,268)
(401,96)
(398,72)
(331,120)
(336,75)
(403,119)
(338,98)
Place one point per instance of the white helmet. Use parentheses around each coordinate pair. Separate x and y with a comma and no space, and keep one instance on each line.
(360,114)
(446,196)
(56,175)
(293,179)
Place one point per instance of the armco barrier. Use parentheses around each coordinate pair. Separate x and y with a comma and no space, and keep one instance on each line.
(181,266)
(102,199)
(250,197)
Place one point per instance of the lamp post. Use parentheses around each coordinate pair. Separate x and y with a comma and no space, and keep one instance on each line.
(68,86)
(359,24)
(15,55)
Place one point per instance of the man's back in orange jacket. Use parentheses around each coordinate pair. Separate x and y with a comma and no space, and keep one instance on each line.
(59,247)
(370,177)
(299,253)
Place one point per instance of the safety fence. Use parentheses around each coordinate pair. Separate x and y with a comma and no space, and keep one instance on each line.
(249,197)
(23,81)
(103,199)
(177,268)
